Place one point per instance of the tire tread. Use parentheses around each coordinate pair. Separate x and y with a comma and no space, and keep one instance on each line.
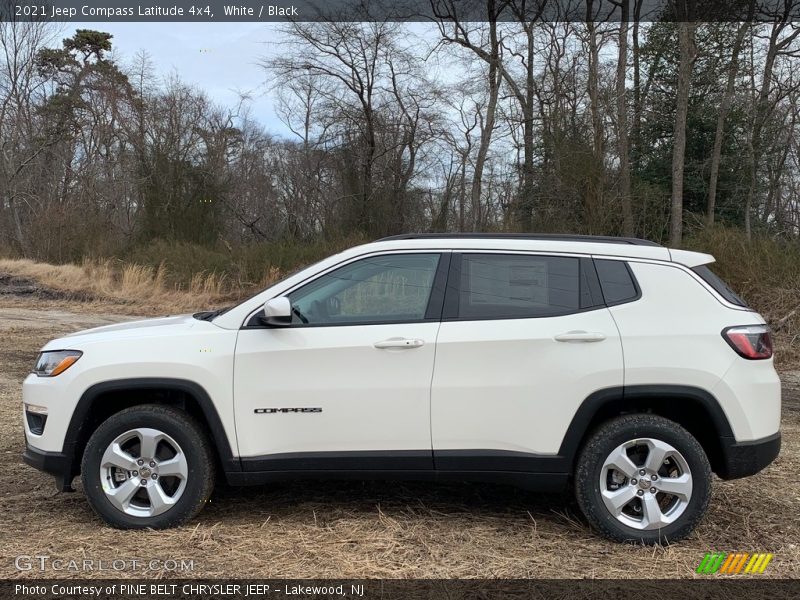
(203,476)
(614,432)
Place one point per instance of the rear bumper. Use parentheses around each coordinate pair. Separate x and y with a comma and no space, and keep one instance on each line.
(740,459)
(57,464)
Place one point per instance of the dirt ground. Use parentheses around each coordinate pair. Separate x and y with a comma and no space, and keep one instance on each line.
(343,530)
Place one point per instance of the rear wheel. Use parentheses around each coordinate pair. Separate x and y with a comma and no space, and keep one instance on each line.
(643,478)
(148,466)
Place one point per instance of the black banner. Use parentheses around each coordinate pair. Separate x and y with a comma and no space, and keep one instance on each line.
(397,10)
(730,588)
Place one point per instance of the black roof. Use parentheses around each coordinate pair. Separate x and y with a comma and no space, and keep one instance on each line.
(560,237)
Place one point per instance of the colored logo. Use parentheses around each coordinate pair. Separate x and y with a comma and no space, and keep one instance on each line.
(736,563)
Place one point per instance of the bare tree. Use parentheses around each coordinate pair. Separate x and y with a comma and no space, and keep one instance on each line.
(487,121)
(623,146)
(724,109)
(455,31)
(21,139)
(365,72)
(595,189)
(686,43)
(782,35)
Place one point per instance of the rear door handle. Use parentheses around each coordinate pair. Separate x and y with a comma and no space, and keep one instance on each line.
(405,343)
(580,336)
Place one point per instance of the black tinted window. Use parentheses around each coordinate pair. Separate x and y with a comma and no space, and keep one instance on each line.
(517,286)
(716,282)
(616,281)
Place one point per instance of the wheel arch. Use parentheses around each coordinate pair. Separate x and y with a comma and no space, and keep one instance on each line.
(695,409)
(91,410)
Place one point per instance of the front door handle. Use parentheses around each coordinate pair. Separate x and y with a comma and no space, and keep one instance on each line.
(405,343)
(580,336)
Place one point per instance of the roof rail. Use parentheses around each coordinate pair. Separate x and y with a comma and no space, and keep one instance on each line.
(560,237)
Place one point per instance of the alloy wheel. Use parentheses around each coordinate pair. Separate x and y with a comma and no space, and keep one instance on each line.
(646,483)
(143,472)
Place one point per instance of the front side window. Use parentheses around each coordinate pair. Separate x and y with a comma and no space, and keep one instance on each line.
(496,286)
(379,289)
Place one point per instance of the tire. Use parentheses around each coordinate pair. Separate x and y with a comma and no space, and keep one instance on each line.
(647,517)
(117,460)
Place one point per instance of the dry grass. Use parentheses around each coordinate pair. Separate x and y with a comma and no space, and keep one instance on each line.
(766,273)
(781,309)
(338,530)
(128,284)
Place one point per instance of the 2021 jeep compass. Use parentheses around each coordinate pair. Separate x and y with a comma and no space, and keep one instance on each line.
(624,369)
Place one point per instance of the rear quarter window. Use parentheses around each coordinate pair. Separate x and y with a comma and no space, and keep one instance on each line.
(616,281)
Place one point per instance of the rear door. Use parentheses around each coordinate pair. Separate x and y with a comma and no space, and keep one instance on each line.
(525,338)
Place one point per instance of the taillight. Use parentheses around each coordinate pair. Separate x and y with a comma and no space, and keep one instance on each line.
(753,342)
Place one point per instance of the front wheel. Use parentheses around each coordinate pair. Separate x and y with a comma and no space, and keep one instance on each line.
(643,478)
(148,466)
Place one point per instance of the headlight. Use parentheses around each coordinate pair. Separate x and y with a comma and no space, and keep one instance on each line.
(50,364)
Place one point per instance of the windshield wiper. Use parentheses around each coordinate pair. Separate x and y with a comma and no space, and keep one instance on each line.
(207,315)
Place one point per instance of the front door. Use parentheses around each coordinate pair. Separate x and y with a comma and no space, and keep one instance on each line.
(347,385)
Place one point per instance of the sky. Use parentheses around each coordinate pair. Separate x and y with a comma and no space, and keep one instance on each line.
(220,58)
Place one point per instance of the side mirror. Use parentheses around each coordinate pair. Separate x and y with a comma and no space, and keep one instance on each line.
(277,312)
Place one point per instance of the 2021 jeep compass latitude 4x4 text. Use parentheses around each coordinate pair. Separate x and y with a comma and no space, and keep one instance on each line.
(621,368)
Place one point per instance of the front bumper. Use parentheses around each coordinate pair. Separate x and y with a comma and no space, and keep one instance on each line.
(57,464)
(741,459)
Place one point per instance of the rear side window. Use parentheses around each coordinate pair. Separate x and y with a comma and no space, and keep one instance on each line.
(497,286)
(719,285)
(616,281)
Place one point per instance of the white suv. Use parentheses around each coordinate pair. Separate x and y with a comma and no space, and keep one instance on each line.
(624,369)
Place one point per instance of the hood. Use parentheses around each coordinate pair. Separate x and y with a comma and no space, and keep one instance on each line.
(152,338)
(143,324)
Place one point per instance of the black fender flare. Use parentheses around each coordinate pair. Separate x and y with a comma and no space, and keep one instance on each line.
(581,421)
(80,416)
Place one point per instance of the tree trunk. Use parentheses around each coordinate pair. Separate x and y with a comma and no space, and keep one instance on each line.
(19,235)
(748,207)
(526,202)
(762,112)
(637,87)
(594,193)
(622,125)
(774,187)
(724,109)
(368,223)
(686,30)
(488,124)
(462,194)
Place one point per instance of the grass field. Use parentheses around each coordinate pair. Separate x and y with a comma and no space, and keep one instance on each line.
(382,530)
